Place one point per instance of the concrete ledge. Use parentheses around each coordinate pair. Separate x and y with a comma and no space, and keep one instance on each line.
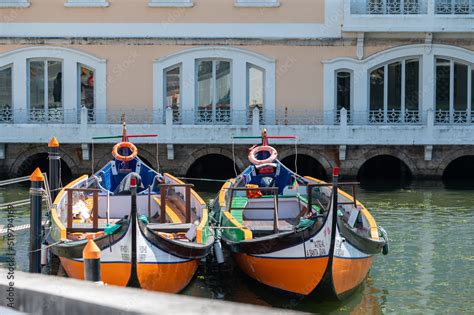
(34,293)
(222,134)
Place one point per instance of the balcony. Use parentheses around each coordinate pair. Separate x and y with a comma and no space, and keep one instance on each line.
(376,127)
(408,15)
(387,7)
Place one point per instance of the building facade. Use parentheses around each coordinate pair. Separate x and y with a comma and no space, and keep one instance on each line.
(353,79)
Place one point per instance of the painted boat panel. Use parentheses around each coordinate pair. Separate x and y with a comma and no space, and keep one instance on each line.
(113,273)
(298,275)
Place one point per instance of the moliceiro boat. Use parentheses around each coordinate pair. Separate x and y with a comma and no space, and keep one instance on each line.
(296,233)
(152,229)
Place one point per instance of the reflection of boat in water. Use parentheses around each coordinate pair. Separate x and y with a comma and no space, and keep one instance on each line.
(291,232)
(152,228)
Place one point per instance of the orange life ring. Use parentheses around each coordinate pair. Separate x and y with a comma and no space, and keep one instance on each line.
(264,148)
(127,145)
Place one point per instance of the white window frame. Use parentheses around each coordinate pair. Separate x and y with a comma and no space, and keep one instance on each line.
(213,86)
(71,57)
(257,3)
(351,92)
(251,65)
(79,106)
(15,4)
(470,67)
(176,116)
(45,82)
(402,62)
(9,66)
(86,3)
(171,3)
(426,54)
(239,59)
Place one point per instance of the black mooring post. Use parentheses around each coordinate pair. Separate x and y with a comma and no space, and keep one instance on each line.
(335,187)
(91,255)
(36,202)
(54,175)
(133,280)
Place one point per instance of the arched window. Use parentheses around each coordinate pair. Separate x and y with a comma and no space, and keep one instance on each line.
(45,80)
(213,91)
(255,90)
(394,95)
(343,93)
(454,91)
(46,88)
(172,83)
(6,95)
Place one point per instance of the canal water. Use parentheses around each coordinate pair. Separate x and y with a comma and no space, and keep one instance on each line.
(429,268)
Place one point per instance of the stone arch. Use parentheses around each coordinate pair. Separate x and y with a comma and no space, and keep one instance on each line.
(321,158)
(390,152)
(451,158)
(39,149)
(199,153)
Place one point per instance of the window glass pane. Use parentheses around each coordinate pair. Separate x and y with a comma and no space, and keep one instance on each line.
(394,86)
(460,86)
(343,90)
(37,85)
(87,87)
(442,84)
(205,85)
(55,84)
(6,88)
(255,88)
(412,84)
(376,89)
(472,89)
(173,96)
(223,85)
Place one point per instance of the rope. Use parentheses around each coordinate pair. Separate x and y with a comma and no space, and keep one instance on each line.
(204,179)
(296,155)
(50,245)
(14,180)
(92,157)
(233,156)
(14,204)
(157,158)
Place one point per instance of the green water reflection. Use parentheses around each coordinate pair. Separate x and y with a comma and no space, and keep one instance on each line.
(429,268)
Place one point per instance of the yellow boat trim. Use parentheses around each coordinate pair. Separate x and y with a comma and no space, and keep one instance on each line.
(54,213)
(173,216)
(247,233)
(193,192)
(223,191)
(201,226)
(374,231)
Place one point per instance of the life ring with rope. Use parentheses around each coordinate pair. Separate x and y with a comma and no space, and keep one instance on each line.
(122,145)
(273,154)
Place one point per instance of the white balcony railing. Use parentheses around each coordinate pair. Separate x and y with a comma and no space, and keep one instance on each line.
(408,15)
(286,116)
(389,6)
(454,7)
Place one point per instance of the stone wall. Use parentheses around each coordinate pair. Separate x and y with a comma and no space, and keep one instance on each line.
(183,157)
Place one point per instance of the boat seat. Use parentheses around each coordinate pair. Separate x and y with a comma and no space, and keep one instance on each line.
(266,226)
(170,227)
